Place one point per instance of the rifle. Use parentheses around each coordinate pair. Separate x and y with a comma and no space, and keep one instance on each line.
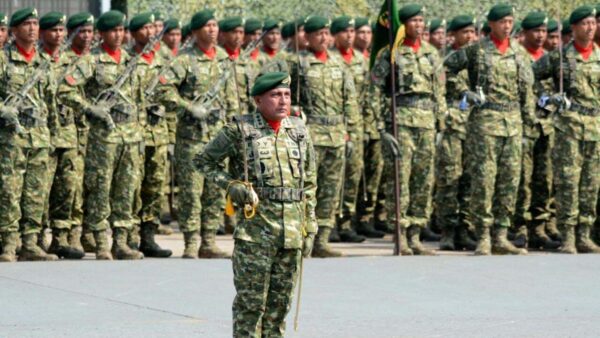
(17,99)
(109,97)
(152,87)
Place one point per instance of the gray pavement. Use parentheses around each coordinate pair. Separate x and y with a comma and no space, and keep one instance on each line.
(541,295)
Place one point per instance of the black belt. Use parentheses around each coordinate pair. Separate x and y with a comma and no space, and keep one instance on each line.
(505,107)
(583,110)
(419,102)
(325,120)
(280,194)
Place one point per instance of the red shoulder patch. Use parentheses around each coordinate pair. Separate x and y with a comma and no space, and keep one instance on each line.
(162,79)
(70,80)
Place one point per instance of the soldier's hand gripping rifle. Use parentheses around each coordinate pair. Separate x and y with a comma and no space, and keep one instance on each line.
(108,98)
(17,99)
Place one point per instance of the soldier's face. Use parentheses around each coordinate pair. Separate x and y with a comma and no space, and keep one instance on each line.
(438,38)
(415,27)
(159,26)
(248,38)
(234,39)
(208,33)
(464,36)
(173,38)
(552,41)
(272,39)
(502,28)
(345,38)
(275,104)
(114,37)
(3,35)
(584,30)
(536,37)
(364,36)
(319,40)
(300,38)
(54,36)
(27,32)
(566,38)
(144,34)
(84,38)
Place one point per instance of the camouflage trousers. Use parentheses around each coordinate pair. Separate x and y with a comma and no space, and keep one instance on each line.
(65,179)
(535,187)
(415,176)
(110,181)
(23,188)
(452,181)
(495,174)
(576,180)
(373,169)
(353,172)
(330,166)
(264,277)
(200,203)
(77,212)
(149,194)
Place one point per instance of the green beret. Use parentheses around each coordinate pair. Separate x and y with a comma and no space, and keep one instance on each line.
(270,24)
(552,26)
(340,24)
(361,21)
(171,24)
(52,19)
(534,20)
(252,25)
(140,20)
(110,20)
(201,18)
(158,16)
(288,30)
(435,24)
(516,27)
(566,27)
(23,14)
(80,19)
(409,11)
(3,19)
(268,81)
(460,21)
(231,23)
(186,30)
(581,13)
(314,23)
(500,11)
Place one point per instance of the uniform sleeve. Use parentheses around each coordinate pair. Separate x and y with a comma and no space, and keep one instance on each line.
(457,61)
(439,91)
(210,160)
(310,186)
(173,78)
(527,96)
(380,73)
(351,112)
(3,93)
(72,87)
(230,95)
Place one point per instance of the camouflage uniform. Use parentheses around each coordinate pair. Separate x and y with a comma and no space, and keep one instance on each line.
(24,157)
(421,106)
(267,251)
(201,203)
(113,159)
(576,154)
(495,134)
(328,100)
(246,71)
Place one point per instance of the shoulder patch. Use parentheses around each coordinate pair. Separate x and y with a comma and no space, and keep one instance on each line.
(162,79)
(70,80)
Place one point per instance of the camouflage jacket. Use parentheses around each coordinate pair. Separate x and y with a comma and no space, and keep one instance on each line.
(264,58)
(420,86)
(282,162)
(72,64)
(95,73)
(582,87)
(246,71)
(61,118)
(154,123)
(506,80)
(456,84)
(543,114)
(15,71)
(189,77)
(327,97)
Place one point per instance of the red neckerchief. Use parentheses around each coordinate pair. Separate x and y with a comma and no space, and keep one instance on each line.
(49,52)
(347,55)
(414,44)
(366,53)
(254,54)
(211,53)
(269,51)
(584,51)
(157,47)
(233,54)
(174,51)
(114,54)
(149,57)
(536,53)
(501,45)
(27,55)
(321,56)
(76,51)
(274,125)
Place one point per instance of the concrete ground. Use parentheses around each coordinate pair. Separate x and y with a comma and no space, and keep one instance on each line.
(368,294)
